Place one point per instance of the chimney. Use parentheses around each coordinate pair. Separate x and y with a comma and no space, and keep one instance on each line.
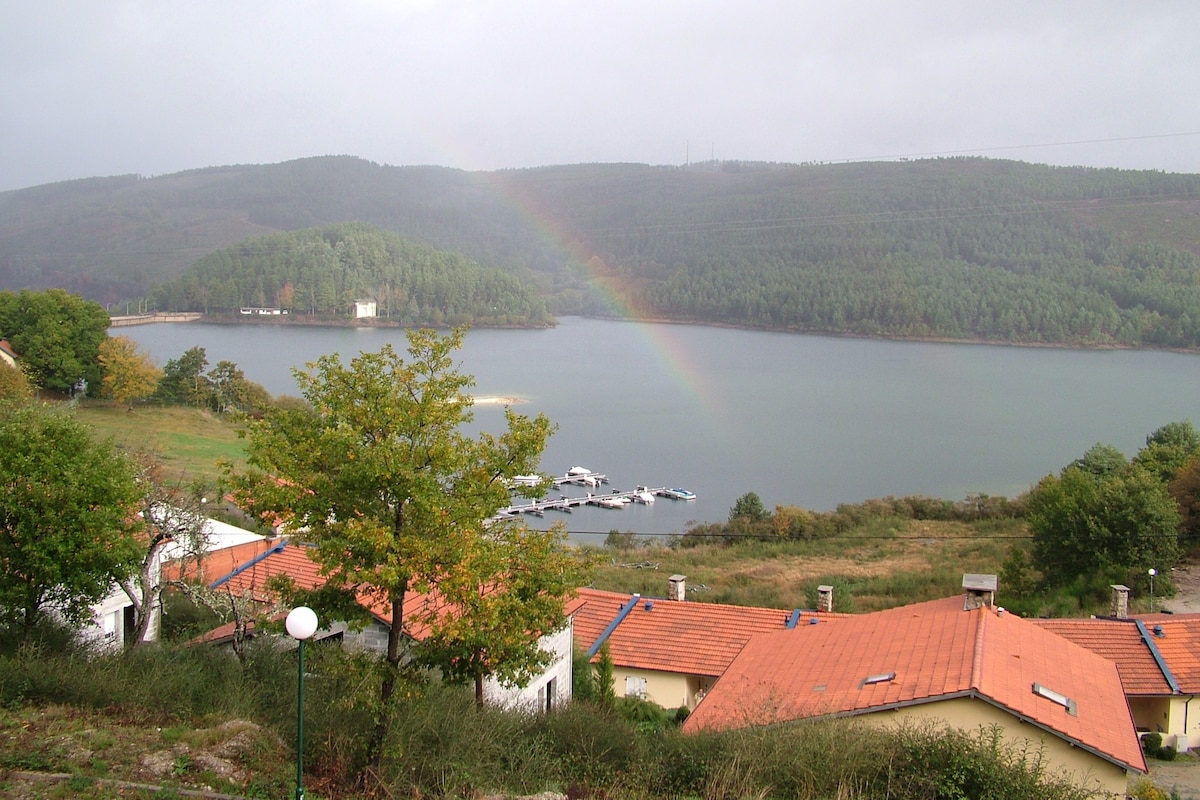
(981,590)
(678,588)
(1120,601)
(825,598)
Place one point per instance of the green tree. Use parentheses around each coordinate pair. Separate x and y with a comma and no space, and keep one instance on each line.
(67,507)
(507,589)
(1083,524)
(377,471)
(231,391)
(58,335)
(1169,448)
(129,374)
(748,507)
(183,379)
(1102,460)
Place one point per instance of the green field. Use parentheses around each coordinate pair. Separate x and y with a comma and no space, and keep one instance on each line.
(190,442)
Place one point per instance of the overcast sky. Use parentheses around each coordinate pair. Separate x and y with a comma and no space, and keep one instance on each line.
(156,86)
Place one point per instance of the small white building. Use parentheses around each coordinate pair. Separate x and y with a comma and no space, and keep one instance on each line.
(365,308)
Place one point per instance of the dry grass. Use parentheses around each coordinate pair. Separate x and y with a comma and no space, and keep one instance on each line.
(916,560)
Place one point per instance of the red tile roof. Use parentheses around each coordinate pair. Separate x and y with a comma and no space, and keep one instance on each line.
(928,651)
(250,572)
(1179,644)
(1120,641)
(675,636)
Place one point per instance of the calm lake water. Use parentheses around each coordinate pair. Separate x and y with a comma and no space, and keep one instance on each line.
(801,420)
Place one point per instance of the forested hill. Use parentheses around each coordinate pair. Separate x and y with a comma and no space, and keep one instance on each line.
(958,248)
(322,272)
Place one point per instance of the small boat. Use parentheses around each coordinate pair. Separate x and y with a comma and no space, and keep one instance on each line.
(526,480)
(643,496)
(576,471)
(679,494)
(612,502)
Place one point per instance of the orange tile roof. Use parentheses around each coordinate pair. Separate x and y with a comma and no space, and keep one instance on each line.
(1179,644)
(1122,642)
(251,572)
(218,563)
(935,651)
(675,636)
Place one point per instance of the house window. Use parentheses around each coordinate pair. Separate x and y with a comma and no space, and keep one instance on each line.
(549,689)
(635,687)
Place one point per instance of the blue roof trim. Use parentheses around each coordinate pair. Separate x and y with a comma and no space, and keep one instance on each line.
(612,626)
(1158,659)
(252,562)
(794,619)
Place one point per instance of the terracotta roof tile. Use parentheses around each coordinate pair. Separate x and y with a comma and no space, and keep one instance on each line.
(924,652)
(252,570)
(1179,644)
(674,636)
(1120,641)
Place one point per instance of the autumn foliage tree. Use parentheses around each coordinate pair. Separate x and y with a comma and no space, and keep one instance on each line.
(129,373)
(377,471)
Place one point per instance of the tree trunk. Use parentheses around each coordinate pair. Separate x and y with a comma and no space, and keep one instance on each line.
(383,719)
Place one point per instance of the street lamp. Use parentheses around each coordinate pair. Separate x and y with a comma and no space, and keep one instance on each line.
(301,625)
(1153,572)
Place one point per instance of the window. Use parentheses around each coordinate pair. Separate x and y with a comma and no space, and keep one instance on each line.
(548,695)
(1056,697)
(635,687)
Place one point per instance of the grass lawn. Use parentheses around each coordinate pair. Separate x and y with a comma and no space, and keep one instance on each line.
(190,442)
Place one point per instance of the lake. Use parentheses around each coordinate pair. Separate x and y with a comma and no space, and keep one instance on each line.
(800,420)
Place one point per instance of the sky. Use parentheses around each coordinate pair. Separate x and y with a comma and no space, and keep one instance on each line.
(151,87)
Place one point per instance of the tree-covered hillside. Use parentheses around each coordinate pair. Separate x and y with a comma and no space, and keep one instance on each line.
(956,248)
(322,271)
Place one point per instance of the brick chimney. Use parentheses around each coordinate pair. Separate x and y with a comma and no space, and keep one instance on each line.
(981,590)
(825,598)
(1120,601)
(678,588)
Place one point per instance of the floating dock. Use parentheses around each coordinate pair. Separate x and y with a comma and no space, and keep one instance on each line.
(580,476)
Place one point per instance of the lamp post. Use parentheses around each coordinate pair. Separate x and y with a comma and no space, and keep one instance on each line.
(301,625)
(1153,572)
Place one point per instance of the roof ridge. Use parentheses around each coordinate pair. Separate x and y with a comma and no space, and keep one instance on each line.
(977,654)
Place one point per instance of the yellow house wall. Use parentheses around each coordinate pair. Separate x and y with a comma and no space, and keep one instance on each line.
(1176,718)
(969,714)
(667,689)
(1183,717)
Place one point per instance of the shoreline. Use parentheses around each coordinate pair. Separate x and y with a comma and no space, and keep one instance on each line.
(180,317)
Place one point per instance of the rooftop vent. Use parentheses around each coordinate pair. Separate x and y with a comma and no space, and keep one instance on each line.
(981,590)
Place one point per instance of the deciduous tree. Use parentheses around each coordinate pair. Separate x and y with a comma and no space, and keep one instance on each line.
(380,475)
(58,335)
(507,590)
(67,516)
(129,373)
(1083,524)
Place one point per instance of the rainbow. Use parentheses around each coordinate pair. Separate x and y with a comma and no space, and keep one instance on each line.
(681,364)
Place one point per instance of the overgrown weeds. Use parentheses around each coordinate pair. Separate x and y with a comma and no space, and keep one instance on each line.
(170,714)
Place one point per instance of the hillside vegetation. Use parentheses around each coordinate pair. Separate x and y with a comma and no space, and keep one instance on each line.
(949,248)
